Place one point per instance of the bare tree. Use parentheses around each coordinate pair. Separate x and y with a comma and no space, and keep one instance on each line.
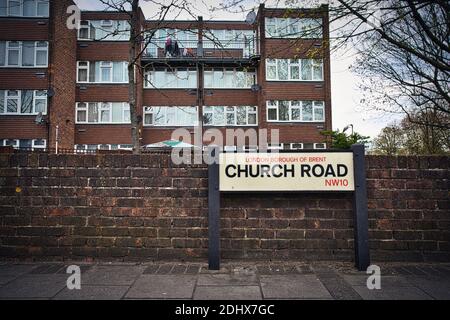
(402,49)
(139,40)
(403,55)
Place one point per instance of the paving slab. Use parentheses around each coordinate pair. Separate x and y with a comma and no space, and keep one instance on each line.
(93,293)
(386,281)
(111,275)
(392,293)
(227,280)
(338,287)
(5,279)
(436,288)
(16,269)
(293,287)
(172,286)
(227,293)
(33,286)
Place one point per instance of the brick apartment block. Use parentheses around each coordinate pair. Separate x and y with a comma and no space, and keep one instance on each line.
(270,74)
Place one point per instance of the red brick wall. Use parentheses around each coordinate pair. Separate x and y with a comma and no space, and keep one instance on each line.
(24,29)
(62,68)
(129,207)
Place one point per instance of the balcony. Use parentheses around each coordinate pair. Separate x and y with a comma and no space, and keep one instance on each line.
(207,51)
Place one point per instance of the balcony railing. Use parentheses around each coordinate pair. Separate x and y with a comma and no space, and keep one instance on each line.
(236,49)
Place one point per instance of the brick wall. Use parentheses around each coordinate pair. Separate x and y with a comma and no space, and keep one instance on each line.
(126,207)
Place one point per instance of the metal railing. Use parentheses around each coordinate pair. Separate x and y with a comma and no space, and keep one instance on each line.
(207,49)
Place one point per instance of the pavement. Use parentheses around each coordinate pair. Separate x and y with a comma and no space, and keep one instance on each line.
(235,281)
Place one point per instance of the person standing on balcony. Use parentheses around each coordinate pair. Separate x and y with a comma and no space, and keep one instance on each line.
(168,46)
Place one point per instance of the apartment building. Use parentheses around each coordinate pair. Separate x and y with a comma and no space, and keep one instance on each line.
(68,88)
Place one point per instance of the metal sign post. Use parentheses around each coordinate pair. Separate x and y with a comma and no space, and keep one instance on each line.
(362,257)
(332,171)
(214,214)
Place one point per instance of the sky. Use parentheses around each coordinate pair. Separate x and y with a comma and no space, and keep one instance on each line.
(345,94)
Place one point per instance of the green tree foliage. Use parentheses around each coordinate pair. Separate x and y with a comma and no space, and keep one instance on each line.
(341,140)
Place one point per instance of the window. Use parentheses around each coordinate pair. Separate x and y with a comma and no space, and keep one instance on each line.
(170,116)
(230,116)
(308,28)
(83,71)
(42,8)
(106,71)
(26,102)
(25,54)
(102,72)
(13,53)
(84,31)
(271,69)
(104,30)
(320,146)
(229,78)
(295,111)
(39,144)
(41,54)
(296,146)
(312,69)
(2,53)
(24,8)
(12,101)
(28,52)
(84,148)
(170,78)
(294,69)
(29,8)
(14,8)
(81,112)
(232,39)
(103,112)
(23,102)
(33,144)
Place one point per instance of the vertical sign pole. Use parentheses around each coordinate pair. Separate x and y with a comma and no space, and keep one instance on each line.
(361,221)
(214,211)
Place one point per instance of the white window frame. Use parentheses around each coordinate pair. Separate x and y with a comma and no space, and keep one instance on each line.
(13,97)
(296,148)
(38,97)
(16,143)
(19,49)
(101,106)
(149,79)
(7,97)
(227,71)
(79,67)
(19,54)
(102,65)
(100,24)
(20,8)
(248,111)
(109,66)
(150,110)
(299,22)
(78,108)
(106,23)
(270,62)
(82,26)
(43,2)
(37,49)
(34,146)
(317,144)
(314,104)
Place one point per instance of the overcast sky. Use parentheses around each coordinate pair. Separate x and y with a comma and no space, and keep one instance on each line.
(346,96)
